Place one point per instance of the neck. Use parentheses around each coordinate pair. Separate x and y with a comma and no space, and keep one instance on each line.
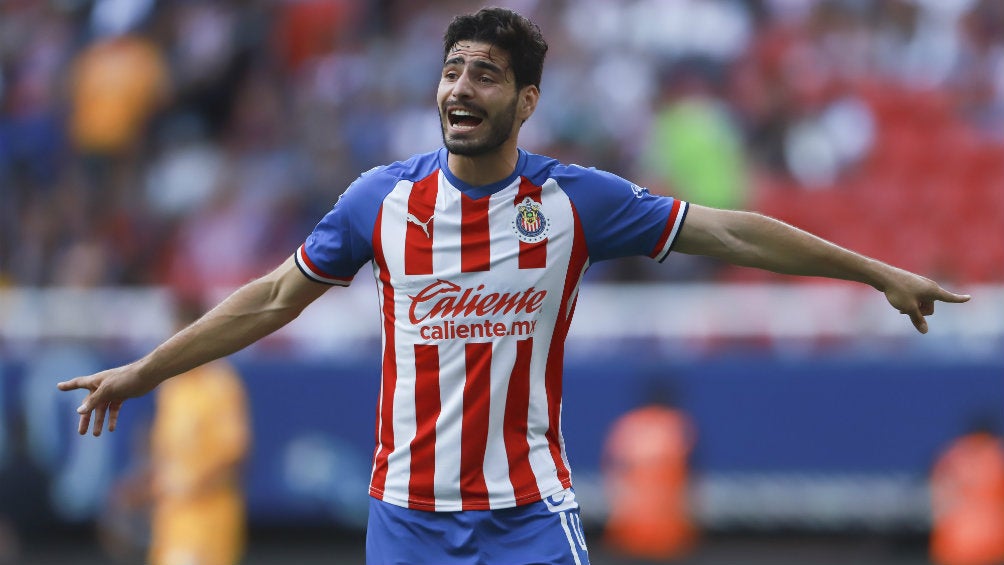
(485,169)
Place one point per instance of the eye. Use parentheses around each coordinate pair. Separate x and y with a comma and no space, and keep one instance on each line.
(485,79)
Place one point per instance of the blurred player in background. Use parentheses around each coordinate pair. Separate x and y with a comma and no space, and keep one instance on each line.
(646,468)
(201,436)
(478,250)
(190,481)
(967,490)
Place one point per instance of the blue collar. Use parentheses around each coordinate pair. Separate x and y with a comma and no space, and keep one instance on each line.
(476,192)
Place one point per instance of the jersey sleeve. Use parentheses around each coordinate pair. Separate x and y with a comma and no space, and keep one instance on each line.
(620,218)
(342,242)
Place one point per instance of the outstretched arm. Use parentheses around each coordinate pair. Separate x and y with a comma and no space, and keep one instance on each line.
(754,240)
(249,314)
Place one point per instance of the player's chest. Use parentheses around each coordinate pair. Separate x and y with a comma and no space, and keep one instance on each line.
(432,229)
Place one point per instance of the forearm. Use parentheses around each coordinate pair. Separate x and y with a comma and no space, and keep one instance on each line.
(242,319)
(758,241)
(753,240)
(249,314)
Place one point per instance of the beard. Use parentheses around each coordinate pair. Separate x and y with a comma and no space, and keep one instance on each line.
(499,129)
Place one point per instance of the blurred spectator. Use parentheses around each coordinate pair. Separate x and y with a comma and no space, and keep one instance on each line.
(191,482)
(967,489)
(209,46)
(118,83)
(122,120)
(795,92)
(35,43)
(123,523)
(10,542)
(695,150)
(977,82)
(916,41)
(646,476)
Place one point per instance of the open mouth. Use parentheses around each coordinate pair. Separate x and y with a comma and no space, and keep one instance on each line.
(463,119)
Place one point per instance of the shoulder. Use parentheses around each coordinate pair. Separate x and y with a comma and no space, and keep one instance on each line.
(375,184)
(413,169)
(539,169)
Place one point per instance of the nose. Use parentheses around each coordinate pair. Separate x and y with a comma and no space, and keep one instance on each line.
(462,88)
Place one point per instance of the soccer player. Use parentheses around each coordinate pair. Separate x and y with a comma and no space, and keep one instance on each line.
(967,499)
(200,438)
(478,250)
(646,468)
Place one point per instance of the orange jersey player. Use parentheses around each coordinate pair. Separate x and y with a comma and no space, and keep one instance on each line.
(200,438)
(646,478)
(967,487)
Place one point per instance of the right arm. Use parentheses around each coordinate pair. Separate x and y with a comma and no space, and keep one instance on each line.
(252,312)
(754,240)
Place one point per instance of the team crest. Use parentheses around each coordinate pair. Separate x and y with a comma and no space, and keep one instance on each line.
(530,224)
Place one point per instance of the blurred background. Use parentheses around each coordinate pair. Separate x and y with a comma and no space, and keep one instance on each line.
(159,152)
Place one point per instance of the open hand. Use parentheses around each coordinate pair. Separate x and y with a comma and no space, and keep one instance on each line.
(107,390)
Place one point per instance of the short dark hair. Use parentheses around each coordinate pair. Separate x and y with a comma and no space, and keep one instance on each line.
(508,30)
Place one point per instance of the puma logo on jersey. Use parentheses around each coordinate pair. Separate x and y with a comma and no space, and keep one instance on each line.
(412,219)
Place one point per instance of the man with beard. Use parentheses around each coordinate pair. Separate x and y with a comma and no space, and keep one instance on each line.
(478,249)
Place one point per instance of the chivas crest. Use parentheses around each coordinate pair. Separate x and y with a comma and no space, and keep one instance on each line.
(530,224)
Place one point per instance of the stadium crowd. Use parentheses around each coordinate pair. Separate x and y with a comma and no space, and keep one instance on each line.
(195,144)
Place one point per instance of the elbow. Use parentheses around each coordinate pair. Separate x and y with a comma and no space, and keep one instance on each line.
(736,240)
(754,240)
(727,235)
(277,305)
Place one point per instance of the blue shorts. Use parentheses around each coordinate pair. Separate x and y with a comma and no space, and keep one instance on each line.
(549,531)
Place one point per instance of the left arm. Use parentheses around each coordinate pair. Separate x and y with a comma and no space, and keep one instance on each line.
(753,240)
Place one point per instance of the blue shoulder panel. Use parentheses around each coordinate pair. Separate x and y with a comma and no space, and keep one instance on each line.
(343,240)
(619,218)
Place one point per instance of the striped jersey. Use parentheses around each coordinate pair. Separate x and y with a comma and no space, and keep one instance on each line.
(477,286)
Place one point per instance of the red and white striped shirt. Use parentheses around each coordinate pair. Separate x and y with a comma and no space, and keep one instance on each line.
(477,286)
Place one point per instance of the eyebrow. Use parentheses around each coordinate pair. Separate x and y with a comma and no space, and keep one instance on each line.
(477,63)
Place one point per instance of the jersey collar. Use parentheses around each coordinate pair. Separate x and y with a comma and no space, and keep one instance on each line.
(476,192)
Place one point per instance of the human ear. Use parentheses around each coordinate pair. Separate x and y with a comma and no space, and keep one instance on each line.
(529,96)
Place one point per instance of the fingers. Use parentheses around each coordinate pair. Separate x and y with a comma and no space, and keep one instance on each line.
(93,409)
(916,312)
(85,422)
(85,407)
(99,420)
(918,321)
(72,384)
(98,415)
(946,296)
(924,305)
(113,415)
(927,308)
(91,401)
(78,383)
